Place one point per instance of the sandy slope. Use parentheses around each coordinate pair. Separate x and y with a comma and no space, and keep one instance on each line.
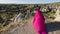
(27,28)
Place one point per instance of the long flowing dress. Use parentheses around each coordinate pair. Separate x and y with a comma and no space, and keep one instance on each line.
(39,23)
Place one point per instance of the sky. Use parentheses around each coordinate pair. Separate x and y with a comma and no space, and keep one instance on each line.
(28,1)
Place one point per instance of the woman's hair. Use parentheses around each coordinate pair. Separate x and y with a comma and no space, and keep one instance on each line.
(37,7)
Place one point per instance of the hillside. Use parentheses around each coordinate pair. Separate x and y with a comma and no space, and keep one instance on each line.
(8,13)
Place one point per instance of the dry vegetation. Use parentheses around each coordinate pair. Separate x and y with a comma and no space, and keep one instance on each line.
(8,11)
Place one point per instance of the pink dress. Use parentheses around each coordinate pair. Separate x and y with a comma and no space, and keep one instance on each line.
(39,23)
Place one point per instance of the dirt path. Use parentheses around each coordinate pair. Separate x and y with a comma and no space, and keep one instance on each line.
(27,28)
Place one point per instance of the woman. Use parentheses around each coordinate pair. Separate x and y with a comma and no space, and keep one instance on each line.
(39,22)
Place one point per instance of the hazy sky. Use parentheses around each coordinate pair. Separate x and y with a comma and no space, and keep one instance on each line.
(28,1)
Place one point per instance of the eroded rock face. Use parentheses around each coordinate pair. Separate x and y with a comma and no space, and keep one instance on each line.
(18,18)
(57,14)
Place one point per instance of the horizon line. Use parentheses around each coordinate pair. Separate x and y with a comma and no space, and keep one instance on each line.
(29,3)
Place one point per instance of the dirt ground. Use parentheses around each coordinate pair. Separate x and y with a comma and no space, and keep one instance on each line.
(27,28)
